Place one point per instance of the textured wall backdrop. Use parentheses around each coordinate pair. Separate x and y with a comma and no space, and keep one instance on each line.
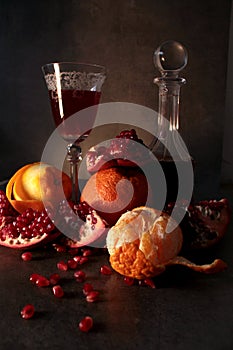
(122,35)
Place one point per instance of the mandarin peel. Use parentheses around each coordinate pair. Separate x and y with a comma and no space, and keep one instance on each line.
(37,185)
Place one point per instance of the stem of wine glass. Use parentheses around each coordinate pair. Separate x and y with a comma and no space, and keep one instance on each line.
(74,156)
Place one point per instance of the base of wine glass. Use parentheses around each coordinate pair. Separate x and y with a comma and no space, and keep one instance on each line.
(74,156)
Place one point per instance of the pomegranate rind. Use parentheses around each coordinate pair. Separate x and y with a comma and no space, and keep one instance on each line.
(32,243)
(205,222)
(106,161)
(218,225)
(90,234)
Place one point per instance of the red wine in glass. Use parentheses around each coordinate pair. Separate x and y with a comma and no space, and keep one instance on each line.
(74,91)
(73,101)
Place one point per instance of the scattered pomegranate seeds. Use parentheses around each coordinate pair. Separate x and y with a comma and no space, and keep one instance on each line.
(129,280)
(27,311)
(147,282)
(77,258)
(42,282)
(54,278)
(92,296)
(62,265)
(105,270)
(72,264)
(26,256)
(87,252)
(39,280)
(58,291)
(59,248)
(83,260)
(73,251)
(80,276)
(34,277)
(87,288)
(86,324)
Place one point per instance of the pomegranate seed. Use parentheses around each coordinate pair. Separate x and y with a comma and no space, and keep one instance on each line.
(26,256)
(86,324)
(73,251)
(27,311)
(87,252)
(59,248)
(34,277)
(105,270)
(92,296)
(129,280)
(58,291)
(62,265)
(77,258)
(83,260)
(147,282)
(87,288)
(54,278)
(42,282)
(72,264)
(80,276)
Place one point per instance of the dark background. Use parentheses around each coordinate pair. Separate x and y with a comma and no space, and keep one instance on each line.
(122,35)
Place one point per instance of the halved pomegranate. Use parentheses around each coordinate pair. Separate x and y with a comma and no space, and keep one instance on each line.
(82,225)
(205,223)
(125,150)
(25,230)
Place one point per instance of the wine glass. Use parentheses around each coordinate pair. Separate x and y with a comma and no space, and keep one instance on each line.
(73,87)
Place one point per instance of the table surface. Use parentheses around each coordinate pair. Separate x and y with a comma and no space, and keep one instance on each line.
(187,310)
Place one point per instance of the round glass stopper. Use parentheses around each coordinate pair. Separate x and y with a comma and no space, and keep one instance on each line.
(170,57)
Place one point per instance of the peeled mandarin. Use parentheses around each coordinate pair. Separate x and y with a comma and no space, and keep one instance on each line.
(145,241)
(140,245)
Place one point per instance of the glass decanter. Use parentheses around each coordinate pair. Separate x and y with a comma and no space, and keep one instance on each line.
(168,147)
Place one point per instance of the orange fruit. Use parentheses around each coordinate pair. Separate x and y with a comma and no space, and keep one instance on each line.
(35,184)
(113,191)
(139,245)
(144,242)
